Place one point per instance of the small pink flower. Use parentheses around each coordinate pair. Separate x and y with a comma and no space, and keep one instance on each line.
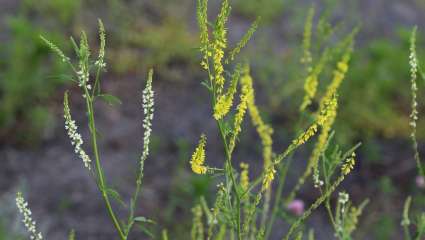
(296,207)
(420,182)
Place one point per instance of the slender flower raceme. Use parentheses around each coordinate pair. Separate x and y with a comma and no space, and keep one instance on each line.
(201,13)
(83,72)
(268,178)
(326,117)
(307,58)
(57,50)
(219,45)
(76,139)
(225,101)
(413,61)
(239,116)
(244,176)
(29,223)
(264,130)
(148,109)
(349,163)
(198,157)
(100,62)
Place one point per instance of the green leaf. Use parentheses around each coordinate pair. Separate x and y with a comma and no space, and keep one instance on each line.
(144,220)
(146,231)
(110,99)
(115,195)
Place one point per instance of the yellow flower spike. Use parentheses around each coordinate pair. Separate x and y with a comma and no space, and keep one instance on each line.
(240,113)
(219,44)
(222,107)
(310,88)
(202,18)
(343,67)
(349,164)
(244,179)
(225,102)
(307,58)
(268,178)
(263,130)
(305,136)
(198,157)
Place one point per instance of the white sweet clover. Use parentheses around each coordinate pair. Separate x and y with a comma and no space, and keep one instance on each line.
(29,223)
(413,75)
(148,109)
(343,198)
(76,139)
(100,62)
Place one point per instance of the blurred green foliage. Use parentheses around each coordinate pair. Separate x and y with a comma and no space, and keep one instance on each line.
(267,9)
(29,77)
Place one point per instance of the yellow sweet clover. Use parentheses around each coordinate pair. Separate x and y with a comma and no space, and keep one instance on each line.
(198,157)
(244,179)
(305,136)
(240,113)
(263,130)
(197,231)
(268,178)
(219,44)
(312,80)
(244,40)
(225,102)
(307,58)
(310,88)
(202,18)
(349,164)
(326,115)
(222,107)
(338,77)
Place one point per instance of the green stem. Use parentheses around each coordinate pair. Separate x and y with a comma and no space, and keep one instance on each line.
(102,185)
(275,209)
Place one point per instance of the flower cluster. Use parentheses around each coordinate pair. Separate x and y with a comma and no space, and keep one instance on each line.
(202,18)
(197,225)
(244,179)
(83,76)
(83,72)
(244,40)
(219,44)
(100,62)
(268,178)
(296,207)
(148,109)
(349,164)
(56,49)
(264,131)
(28,221)
(306,59)
(413,61)
(317,182)
(240,113)
(225,101)
(198,157)
(76,139)
(305,136)
(310,88)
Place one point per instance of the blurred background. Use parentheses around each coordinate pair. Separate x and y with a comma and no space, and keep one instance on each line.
(37,157)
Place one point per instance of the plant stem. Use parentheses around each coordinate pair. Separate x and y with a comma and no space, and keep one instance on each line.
(275,209)
(101,179)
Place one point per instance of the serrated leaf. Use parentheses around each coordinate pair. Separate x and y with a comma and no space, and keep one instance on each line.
(110,99)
